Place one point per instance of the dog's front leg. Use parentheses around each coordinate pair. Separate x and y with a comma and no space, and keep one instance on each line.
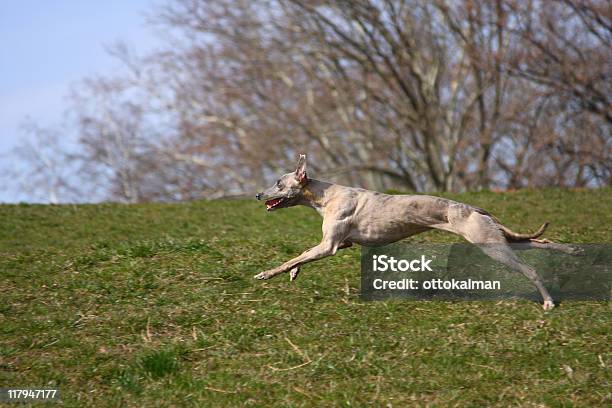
(335,232)
(324,249)
(293,273)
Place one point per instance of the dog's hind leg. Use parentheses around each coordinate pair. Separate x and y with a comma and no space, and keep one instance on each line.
(482,231)
(501,252)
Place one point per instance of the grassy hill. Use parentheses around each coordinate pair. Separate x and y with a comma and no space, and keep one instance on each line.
(155,305)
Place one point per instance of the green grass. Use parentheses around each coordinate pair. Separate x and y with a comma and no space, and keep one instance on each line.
(155,305)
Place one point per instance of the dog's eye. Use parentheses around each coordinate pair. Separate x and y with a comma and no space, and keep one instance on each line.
(279,184)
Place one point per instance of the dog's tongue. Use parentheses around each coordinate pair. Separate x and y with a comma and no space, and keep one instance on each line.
(273,202)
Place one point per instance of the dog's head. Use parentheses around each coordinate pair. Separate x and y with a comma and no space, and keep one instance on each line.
(287,189)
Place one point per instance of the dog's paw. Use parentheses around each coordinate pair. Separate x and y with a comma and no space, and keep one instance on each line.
(548,305)
(576,251)
(293,274)
(262,276)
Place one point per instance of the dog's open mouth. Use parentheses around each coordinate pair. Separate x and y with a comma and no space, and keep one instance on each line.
(275,202)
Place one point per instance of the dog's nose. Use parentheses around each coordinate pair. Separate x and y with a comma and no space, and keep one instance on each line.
(258,196)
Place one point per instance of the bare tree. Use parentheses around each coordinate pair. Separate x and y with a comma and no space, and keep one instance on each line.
(404,94)
(45,167)
(567,46)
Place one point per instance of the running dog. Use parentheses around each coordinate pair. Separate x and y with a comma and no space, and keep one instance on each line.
(368,218)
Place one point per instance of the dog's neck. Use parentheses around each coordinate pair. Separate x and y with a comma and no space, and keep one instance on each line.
(313,194)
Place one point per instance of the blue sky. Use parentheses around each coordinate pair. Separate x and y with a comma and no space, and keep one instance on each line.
(45,46)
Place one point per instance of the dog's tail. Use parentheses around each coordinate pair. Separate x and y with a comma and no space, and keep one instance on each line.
(515,236)
(511,235)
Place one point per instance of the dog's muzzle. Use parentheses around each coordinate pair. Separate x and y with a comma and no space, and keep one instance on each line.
(258,196)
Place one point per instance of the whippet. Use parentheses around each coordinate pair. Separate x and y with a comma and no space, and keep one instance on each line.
(368,218)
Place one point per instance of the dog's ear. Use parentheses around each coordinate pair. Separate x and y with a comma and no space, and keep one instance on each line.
(300,172)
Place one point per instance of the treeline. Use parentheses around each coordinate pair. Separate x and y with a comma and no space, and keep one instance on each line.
(421,95)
